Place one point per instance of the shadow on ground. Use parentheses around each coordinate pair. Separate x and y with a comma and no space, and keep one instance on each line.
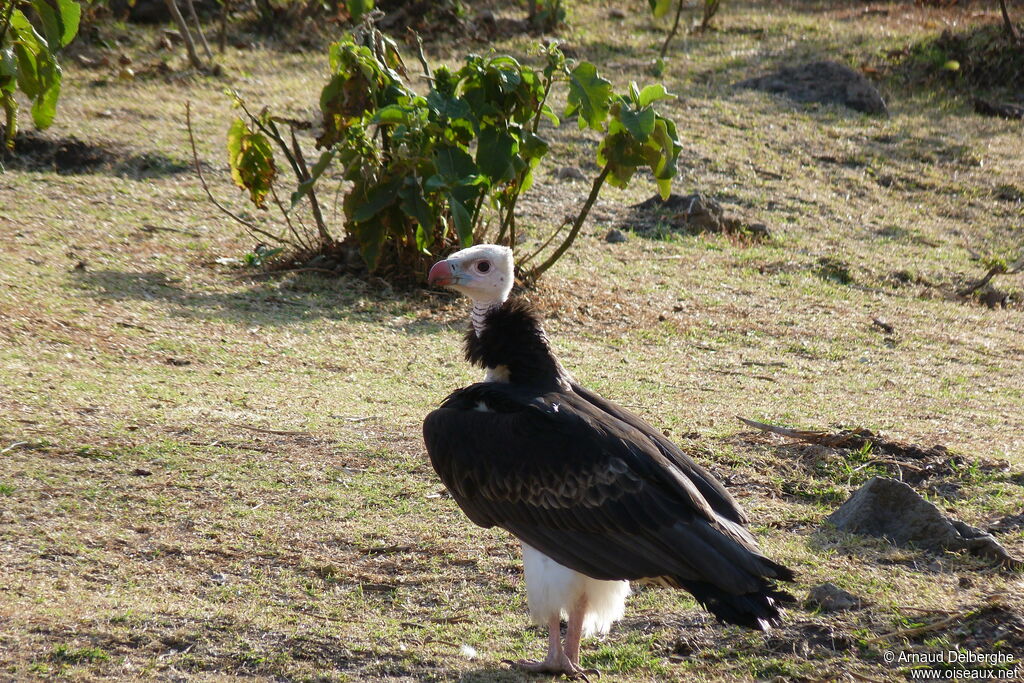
(70,156)
(302,298)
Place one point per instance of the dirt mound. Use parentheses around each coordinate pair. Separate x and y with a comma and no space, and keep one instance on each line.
(34,151)
(825,82)
(692,214)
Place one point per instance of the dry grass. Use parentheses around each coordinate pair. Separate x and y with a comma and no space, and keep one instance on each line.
(148,528)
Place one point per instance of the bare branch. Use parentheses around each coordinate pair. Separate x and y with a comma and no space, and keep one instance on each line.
(190,45)
(202,181)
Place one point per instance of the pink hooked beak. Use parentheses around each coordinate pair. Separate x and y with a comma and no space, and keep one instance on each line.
(441,273)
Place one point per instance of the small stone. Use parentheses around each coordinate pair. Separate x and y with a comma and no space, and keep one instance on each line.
(569,173)
(759,229)
(615,236)
(617,13)
(832,598)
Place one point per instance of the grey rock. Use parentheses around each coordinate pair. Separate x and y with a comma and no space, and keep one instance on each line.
(569,173)
(759,229)
(893,510)
(831,598)
(826,82)
(615,236)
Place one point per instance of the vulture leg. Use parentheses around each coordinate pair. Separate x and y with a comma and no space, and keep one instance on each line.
(573,635)
(561,660)
(556,660)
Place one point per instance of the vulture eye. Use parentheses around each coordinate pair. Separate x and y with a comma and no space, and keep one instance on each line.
(483,266)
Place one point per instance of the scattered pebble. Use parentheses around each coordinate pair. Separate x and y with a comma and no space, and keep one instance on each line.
(569,173)
(615,236)
(832,598)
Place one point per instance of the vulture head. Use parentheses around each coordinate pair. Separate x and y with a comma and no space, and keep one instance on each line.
(483,272)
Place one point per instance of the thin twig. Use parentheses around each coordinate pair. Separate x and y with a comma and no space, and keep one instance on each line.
(887,461)
(325,236)
(287,220)
(160,228)
(1008,23)
(190,46)
(199,29)
(571,237)
(675,27)
(420,55)
(925,610)
(17,444)
(7,21)
(206,188)
(992,272)
(544,246)
(280,432)
(902,633)
(862,677)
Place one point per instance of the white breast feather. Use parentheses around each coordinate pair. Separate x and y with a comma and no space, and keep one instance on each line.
(554,589)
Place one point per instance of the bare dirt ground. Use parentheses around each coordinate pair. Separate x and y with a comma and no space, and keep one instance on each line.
(211,474)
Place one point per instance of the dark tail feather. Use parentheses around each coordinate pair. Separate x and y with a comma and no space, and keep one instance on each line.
(759,610)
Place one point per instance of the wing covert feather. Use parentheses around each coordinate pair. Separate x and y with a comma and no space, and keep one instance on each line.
(588,490)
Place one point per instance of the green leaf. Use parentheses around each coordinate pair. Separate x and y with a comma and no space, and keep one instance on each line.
(390,115)
(424,238)
(660,7)
(371,236)
(8,70)
(550,115)
(44,106)
(314,174)
(653,93)
(590,95)
(28,48)
(59,19)
(379,198)
(664,188)
(357,8)
(70,13)
(534,147)
(415,206)
(634,93)
(495,152)
(448,107)
(640,124)
(463,221)
(454,164)
(252,161)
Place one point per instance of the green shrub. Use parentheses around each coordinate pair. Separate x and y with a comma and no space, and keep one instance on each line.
(425,173)
(28,58)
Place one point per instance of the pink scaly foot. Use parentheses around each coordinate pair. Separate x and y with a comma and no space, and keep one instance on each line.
(561,666)
(564,661)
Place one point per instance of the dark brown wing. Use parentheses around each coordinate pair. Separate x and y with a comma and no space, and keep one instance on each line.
(593,493)
(710,488)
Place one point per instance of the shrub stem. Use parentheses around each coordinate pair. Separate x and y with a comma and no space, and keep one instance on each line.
(571,237)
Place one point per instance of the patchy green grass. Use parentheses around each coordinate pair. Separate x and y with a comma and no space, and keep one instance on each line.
(207,473)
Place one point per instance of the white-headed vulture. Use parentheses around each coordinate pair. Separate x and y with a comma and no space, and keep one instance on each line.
(596,495)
